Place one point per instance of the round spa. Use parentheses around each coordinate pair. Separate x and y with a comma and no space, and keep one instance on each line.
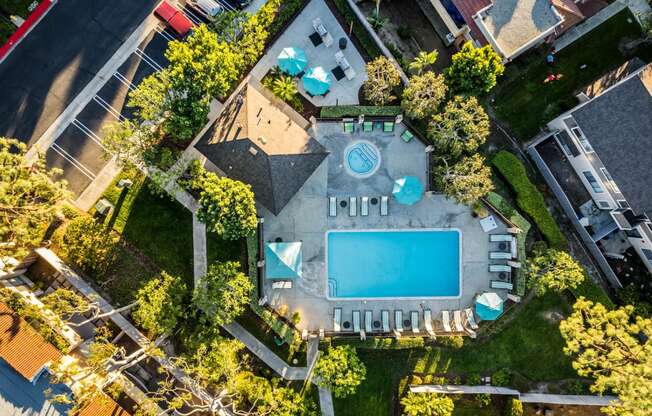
(361,158)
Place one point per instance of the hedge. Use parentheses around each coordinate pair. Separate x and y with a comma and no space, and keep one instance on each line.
(381,343)
(528,197)
(358,30)
(340,111)
(593,292)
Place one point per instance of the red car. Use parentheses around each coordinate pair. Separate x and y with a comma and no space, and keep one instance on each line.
(174,18)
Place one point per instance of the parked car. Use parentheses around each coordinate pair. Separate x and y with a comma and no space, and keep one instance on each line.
(208,8)
(173,18)
(239,4)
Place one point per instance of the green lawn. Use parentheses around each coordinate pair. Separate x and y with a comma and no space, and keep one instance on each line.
(525,103)
(529,344)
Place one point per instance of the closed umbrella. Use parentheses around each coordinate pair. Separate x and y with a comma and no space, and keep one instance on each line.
(317,81)
(489,306)
(408,190)
(292,60)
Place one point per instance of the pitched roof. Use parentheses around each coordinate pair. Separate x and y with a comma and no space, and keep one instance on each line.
(260,140)
(618,124)
(22,347)
(102,405)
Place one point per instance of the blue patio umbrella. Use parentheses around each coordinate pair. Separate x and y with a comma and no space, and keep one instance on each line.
(283,260)
(488,306)
(292,60)
(408,190)
(317,81)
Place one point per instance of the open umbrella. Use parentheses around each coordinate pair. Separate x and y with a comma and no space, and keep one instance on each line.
(292,60)
(408,190)
(283,260)
(317,81)
(488,306)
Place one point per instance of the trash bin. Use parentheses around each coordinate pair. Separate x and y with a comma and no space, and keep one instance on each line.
(343,42)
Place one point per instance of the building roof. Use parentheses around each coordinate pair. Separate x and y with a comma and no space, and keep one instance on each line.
(102,405)
(618,124)
(515,24)
(22,347)
(260,140)
(468,9)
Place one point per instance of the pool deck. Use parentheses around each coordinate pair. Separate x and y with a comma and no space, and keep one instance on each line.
(305,218)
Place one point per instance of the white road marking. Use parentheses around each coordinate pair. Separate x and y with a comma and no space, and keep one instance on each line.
(67,156)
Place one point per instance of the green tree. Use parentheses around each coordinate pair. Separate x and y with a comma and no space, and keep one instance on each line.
(270,398)
(90,246)
(217,362)
(340,370)
(254,33)
(382,78)
(422,61)
(127,141)
(514,407)
(284,88)
(424,95)
(465,181)
(223,293)
(227,206)
(228,25)
(462,127)
(553,270)
(474,71)
(615,348)
(160,304)
(150,98)
(427,404)
(29,198)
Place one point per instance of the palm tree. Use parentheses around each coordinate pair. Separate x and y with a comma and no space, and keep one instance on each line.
(284,88)
(422,61)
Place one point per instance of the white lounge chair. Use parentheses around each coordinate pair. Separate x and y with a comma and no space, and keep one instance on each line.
(471,333)
(497,238)
(457,317)
(384,200)
(514,298)
(350,73)
(500,255)
(498,268)
(514,264)
(337,319)
(353,206)
(282,284)
(398,320)
(356,322)
(385,319)
(414,321)
(470,318)
(446,321)
(427,321)
(364,206)
(368,321)
(332,206)
(499,284)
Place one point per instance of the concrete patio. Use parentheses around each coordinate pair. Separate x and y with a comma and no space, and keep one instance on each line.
(305,218)
(342,92)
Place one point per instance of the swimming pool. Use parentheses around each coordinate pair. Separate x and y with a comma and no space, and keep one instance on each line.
(361,158)
(393,263)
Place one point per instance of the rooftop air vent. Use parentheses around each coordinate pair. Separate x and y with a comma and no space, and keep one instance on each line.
(262,139)
(253,151)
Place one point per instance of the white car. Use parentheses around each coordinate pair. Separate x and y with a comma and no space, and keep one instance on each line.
(209,8)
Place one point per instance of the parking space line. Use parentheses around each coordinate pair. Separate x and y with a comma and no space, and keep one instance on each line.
(192,16)
(163,32)
(89,133)
(104,104)
(226,5)
(148,59)
(124,81)
(67,156)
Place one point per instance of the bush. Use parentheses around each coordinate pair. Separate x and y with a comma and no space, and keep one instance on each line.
(473,379)
(453,341)
(359,31)
(382,343)
(514,407)
(483,399)
(296,318)
(528,197)
(501,378)
(286,11)
(90,246)
(339,111)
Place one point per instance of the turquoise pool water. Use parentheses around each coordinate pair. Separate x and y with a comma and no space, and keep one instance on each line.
(378,264)
(362,158)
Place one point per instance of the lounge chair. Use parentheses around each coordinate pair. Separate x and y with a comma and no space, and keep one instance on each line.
(470,318)
(388,126)
(500,255)
(499,284)
(282,284)
(384,315)
(471,333)
(337,319)
(514,298)
(353,206)
(427,321)
(348,125)
(414,321)
(398,320)
(446,321)
(407,136)
(497,238)
(368,126)
(513,246)
(457,317)
(368,322)
(383,205)
(356,322)
(364,206)
(500,268)
(332,206)
(514,264)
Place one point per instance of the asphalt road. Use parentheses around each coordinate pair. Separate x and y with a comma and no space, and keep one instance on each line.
(59,57)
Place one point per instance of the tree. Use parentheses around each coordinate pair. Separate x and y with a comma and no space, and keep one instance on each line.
(228,25)
(462,127)
(427,404)
(254,32)
(68,305)
(423,96)
(340,370)
(615,348)
(465,181)
(150,98)
(474,71)
(227,206)
(263,397)
(223,293)
(553,270)
(514,407)
(422,61)
(382,78)
(90,246)
(127,141)
(29,196)
(284,88)
(160,304)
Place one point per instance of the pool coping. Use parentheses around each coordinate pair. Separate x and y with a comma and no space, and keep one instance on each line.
(390,298)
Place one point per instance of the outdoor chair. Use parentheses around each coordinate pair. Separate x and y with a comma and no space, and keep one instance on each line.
(500,268)
(348,125)
(398,320)
(457,317)
(497,238)
(368,322)
(353,206)
(384,315)
(332,206)
(356,321)
(446,321)
(368,126)
(470,318)
(407,136)
(388,126)
(427,322)
(414,321)
(337,319)
(384,200)
(364,206)
(500,255)
(499,284)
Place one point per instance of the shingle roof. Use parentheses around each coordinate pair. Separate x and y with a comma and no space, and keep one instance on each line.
(259,140)
(102,406)
(618,124)
(22,347)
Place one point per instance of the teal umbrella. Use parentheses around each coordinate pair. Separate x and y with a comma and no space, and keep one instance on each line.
(317,81)
(283,260)
(488,306)
(292,60)
(408,190)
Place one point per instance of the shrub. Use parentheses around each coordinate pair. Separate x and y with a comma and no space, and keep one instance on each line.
(528,197)
(427,404)
(359,31)
(473,379)
(340,370)
(90,246)
(382,343)
(340,111)
(501,378)
(483,399)
(453,341)
(474,70)
(296,318)
(514,407)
